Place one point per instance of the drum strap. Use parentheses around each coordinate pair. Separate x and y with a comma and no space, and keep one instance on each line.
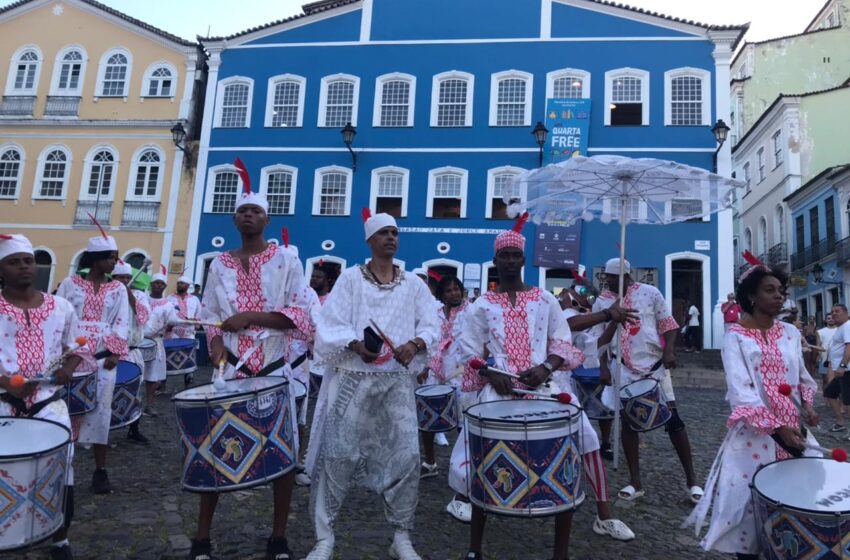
(102,354)
(275,365)
(20,406)
(655,367)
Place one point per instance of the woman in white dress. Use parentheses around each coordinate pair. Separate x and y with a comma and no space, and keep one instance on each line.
(760,353)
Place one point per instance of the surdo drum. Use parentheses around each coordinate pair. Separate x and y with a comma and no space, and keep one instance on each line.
(127,396)
(588,389)
(525,457)
(180,356)
(81,393)
(436,408)
(644,405)
(148,348)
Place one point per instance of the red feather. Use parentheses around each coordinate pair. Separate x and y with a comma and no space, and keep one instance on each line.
(366,213)
(435,275)
(4,236)
(752,259)
(577,276)
(121,261)
(520,222)
(243,174)
(163,270)
(321,263)
(284,235)
(94,220)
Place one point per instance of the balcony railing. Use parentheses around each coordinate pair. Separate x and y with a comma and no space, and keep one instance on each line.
(102,211)
(140,214)
(17,105)
(778,254)
(842,251)
(812,254)
(62,106)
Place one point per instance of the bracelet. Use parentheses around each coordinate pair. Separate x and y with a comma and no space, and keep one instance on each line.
(608,314)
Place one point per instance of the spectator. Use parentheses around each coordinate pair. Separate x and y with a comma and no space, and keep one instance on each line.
(825,339)
(813,342)
(693,334)
(731,311)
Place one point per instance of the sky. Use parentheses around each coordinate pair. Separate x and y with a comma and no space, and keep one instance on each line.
(188,18)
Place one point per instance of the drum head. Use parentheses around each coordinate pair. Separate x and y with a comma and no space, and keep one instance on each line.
(299,389)
(232,388)
(640,387)
(179,344)
(127,371)
(433,390)
(26,437)
(147,343)
(810,484)
(522,411)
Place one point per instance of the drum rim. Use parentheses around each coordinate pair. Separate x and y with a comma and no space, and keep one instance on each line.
(8,458)
(811,512)
(527,512)
(306,389)
(187,342)
(657,384)
(176,398)
(151,342)
(449,392)
(521,422)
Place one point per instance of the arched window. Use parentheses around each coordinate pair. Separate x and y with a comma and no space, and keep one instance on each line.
(510,98)
(114,74)
(23,73)
(68,72)
(748,240)
(43,270)
(53,171)
(451,99)
(160,82)
(100,175)
(447,189)
(135,259)
(234,102)
(394,100)
(568,83)
(687,97)
(332,192)
(762,238)
(626,97)
(285,101)
(338,100)
(10,172)
(226,185)
(780,224)
(278,184)
(500,183)
(389,191)
(147,176)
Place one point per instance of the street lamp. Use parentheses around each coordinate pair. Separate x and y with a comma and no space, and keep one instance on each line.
(721,132)
(348,134)
(540,132)
(178,134)
(817,275)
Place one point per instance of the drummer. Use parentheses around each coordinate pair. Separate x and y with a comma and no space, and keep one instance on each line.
(104,312)
(163,314)
(188,308)
(760,353)
(140,313)
(29,320)
(521,326)
(257,292)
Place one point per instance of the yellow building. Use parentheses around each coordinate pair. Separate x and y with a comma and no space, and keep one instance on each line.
(90,96)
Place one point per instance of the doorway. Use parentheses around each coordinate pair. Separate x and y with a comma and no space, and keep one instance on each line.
(687,290)
(558,279)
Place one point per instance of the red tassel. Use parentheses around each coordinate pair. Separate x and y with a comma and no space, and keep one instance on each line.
(321,263)
(94,220)
(435,275)
(578,277)
(520,222)
(243,174)
(4,236)
(752,259)
(163,270)
(284,235)
(366,213)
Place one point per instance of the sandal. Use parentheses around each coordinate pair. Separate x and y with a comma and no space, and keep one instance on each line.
(695,493)
(629,493)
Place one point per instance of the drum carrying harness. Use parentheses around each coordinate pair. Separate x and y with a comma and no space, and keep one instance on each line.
(20,406)
(275,365)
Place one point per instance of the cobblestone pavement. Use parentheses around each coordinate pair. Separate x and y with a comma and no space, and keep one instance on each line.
(149,517)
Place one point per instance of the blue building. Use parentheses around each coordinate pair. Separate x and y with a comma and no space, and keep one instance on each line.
(443,96)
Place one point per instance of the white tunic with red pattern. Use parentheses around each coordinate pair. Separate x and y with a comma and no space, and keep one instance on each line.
(446,357)
(188,307)
(163,312)
(756,364)
(139,317)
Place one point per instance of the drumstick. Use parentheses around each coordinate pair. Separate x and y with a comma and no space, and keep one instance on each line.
(218,377)
(563,398)
(478,363)
(837,454)
(382,335)
(197,322)
(19,380)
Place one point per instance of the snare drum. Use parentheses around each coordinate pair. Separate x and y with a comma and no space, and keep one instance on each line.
(148,348)
(525,457)
(802,509)
(180,356)
(589,392)
(436,408)
(81,393)
(127,396)
(33,465)
(237,437)
(315,384)
(644,405)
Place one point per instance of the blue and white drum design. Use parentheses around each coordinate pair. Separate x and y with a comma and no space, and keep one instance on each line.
(127,396)
(524,457)
(81,393)
(148,348)
(33,476)
(315,384)
(180,356)
(644,405)
(436,408)
(237,437)
(589,389)
(802,509)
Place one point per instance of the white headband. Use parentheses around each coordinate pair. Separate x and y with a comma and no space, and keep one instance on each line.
(377,223)
(17,243)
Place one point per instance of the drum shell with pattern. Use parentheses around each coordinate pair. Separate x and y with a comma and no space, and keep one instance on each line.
(180,356)
(588,389)
(436,408)
(127,395)
(33,477)
(81,393)
(802,509)
(524,457)
(644,405)
(148,348)
(315,384)
(238,437)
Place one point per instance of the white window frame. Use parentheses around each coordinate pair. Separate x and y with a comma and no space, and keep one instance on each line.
(612,208)
(705,83)
(405,187)
(323,98)
(317,189)
(57,72)
(209,193)
(432,183)
(491,186)
(761,164)
(435,95)
(101,72)
(778,151)
(219,99)
(762,238)
(87,166)
(148,75)
(779,225)
(265,173)
(627,72)
(748,239)
(134,169)
(13,70)
(302,90)
(19,180)
(554,75)
(747,178)
(36,187)
(495,79)
(379,91)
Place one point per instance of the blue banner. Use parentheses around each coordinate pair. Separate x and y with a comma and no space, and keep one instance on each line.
(568,121)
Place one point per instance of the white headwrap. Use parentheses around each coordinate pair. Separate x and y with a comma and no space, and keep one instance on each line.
(377,223)
(255,199)
(613,267)
(122,267)
(162,275)
(185,279)
(17,243)
(101,243)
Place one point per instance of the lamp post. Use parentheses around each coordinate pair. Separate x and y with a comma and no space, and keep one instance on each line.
(178,135)
(540,132)
(721,132)
(348,133)
(817,276)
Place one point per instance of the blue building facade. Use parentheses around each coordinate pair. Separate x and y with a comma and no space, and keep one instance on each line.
(443,96)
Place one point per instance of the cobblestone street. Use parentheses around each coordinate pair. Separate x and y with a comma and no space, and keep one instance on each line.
(149,516)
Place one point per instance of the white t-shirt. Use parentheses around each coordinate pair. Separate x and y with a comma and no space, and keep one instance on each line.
(693,316)
(840,337)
